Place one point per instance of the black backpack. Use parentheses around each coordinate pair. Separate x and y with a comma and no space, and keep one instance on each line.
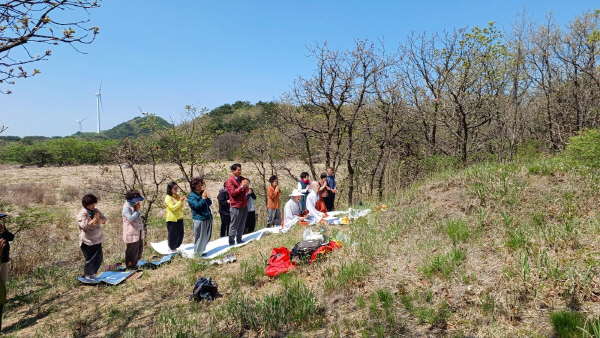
(304,250)
(205,289)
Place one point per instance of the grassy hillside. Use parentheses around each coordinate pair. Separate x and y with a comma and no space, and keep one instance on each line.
(493,250)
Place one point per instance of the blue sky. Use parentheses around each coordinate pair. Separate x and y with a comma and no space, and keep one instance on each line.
(163,55)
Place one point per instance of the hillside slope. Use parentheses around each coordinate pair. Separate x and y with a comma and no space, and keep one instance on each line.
(489,251)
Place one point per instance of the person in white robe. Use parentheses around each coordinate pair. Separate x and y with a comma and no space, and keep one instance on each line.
(311,202)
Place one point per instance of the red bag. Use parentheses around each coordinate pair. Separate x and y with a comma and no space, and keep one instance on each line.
(324,249)
(279,262)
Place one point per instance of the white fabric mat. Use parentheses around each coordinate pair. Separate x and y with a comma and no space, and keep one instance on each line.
(214,248)
(221,245)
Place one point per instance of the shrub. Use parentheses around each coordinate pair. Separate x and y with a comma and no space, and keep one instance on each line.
(585,147)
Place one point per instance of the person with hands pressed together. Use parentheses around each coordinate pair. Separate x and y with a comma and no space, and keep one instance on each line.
(237,187)
(273,201)
(323,191)
(224,210)
(304,187)
(8,237)
(91,236)
(174,216)
(312,201)
(293,207)
(200,202)
(133,230)
(251,218)
(330,200)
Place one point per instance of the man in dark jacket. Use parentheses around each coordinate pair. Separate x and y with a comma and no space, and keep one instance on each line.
(223,198)
(330,199)
(8,237)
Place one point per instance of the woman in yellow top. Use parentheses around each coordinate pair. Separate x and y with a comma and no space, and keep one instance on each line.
(174,216)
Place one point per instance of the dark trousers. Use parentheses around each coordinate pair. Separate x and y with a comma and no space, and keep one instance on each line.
(175,236)
(250,222)
(93,258)
(1,311)
(225,220)
(330,201)
(133,253)
(238,223)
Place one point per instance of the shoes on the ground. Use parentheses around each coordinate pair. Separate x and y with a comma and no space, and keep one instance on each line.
(215,261)
(240,241)
(231,240)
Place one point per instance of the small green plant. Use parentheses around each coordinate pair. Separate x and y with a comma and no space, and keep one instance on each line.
(568,324)
(407,301)
(457,230)
(349,272)
(295,304)
(436,317)
(360,301)
(516,239)
(251,270)
(444,264)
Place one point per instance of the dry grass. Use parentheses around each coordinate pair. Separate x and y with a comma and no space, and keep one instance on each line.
(490,251)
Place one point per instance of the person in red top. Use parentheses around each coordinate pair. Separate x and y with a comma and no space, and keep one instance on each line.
(237,187)
(273,203)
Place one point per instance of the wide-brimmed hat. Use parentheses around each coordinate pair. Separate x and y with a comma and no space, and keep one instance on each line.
(296,193)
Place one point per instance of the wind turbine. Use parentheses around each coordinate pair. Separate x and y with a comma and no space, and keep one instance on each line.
(98,104)
(143,112)
(76,120)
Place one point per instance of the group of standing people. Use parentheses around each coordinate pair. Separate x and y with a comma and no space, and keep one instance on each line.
(91,235)
(237,209)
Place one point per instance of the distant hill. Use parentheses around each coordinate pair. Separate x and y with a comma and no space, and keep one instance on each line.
(130,129)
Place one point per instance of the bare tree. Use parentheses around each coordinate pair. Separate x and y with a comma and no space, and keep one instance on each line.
(186,144)
(138,161)
(23,22)
(328,106)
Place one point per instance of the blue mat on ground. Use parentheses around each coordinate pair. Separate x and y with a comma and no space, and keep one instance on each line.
(108,277)
(143,263)
(154,264)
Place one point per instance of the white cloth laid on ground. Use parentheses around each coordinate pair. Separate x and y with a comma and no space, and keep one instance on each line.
(213,248)
(221,245)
